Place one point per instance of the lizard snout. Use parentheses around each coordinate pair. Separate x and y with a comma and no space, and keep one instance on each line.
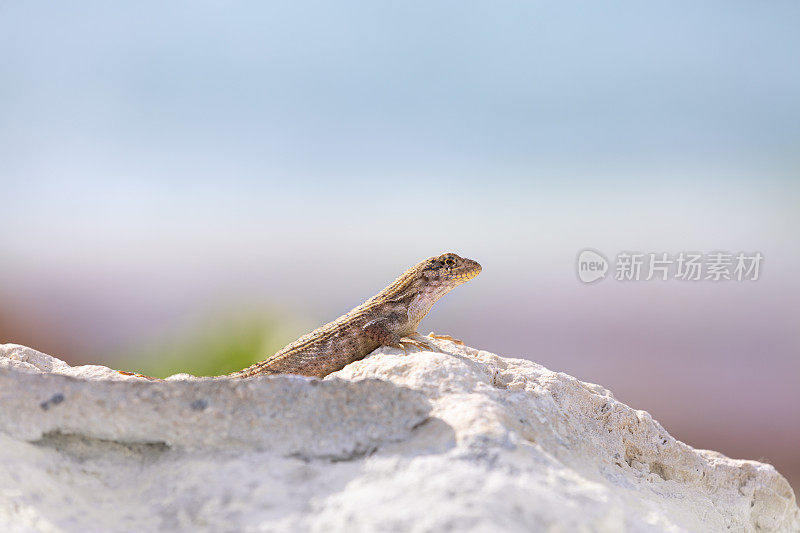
(471,268)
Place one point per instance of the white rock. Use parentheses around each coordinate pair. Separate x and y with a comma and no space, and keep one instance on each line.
(456,441)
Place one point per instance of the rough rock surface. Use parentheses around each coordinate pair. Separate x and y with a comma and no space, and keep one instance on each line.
(462,440)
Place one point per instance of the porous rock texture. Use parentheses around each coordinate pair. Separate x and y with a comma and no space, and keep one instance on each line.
(462,440)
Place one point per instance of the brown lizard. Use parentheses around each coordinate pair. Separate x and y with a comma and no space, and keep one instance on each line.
(390,318)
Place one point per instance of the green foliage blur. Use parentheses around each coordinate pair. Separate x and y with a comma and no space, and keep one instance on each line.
(213,346)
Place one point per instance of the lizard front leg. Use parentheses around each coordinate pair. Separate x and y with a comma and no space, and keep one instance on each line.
(384,330)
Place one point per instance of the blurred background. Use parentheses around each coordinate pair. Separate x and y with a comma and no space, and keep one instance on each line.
(189,186)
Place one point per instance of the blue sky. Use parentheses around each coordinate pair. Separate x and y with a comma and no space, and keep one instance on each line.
(140,136)
(263,96)
(146,120)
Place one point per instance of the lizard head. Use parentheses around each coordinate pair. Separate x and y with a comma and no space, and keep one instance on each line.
(433,278)
(449,270)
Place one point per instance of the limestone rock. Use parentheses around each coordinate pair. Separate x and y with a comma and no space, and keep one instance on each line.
(462,440)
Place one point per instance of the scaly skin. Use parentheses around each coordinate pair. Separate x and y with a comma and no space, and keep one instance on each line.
(387,319)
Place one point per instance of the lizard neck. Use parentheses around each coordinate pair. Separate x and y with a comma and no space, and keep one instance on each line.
(423,300)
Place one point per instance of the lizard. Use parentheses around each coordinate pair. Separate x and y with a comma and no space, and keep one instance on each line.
(390,318)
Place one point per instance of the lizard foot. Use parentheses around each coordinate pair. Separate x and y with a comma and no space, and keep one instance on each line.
(404,345)
(445,338)
(419,342)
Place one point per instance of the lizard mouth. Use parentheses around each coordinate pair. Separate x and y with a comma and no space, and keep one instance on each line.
(469,271)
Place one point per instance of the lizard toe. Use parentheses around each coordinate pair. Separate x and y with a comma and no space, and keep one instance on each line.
(446,338)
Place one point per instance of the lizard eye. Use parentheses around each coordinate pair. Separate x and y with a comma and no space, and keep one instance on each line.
(449,262)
